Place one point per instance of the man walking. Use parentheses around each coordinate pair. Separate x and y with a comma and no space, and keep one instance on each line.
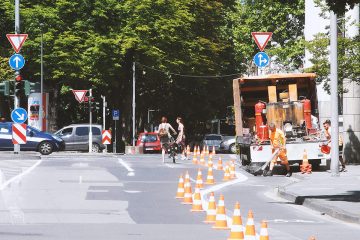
(278,142)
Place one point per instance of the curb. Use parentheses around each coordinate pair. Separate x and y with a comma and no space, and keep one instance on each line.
(20,156)
(319,206)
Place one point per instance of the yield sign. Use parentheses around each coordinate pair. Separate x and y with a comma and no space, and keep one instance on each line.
(261,39)
(79,95)
(17,40)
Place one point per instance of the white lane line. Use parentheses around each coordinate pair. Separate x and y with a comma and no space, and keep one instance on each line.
(18,177)
(131,171)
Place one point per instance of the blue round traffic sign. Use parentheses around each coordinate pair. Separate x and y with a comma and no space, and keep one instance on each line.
(19,115)
(261,59)
(17,62)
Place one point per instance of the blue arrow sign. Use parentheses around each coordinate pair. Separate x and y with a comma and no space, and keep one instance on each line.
(261,59)
(116,114)
(19,115)
(17,62)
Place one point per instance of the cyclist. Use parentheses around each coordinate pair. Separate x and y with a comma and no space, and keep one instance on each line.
(165,136)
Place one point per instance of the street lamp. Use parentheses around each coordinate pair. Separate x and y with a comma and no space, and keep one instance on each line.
(41,110)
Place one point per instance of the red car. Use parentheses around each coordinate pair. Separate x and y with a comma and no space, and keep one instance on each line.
(150,141)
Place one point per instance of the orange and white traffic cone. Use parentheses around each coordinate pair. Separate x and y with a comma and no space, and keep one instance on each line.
(194,160)
(180,190)
(264,235)
(210,177)
(202,159)
(207,151)
(312,238)
(187,192)
(305,167)
(197,203)
(199,181)
(210,162)
(211,210)
(226,173)
(213,151)
(188,151)
(232,170)
(237,231)
(219,165)
(250,233)
(221,221)
(198,151)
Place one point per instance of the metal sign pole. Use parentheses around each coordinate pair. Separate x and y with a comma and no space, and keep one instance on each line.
(17,31)
(90,121)
(114,143)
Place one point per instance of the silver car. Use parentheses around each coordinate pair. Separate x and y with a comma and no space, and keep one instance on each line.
(228,144)
(212,140)
(76,137)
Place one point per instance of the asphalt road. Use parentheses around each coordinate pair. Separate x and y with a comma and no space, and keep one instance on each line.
(74,196)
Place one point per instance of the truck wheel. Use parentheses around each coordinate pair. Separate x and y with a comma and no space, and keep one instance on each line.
(46,148)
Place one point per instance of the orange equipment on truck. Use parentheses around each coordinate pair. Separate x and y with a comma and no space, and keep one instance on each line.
(287,100)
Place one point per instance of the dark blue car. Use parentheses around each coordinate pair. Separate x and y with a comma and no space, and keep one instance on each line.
(42,142)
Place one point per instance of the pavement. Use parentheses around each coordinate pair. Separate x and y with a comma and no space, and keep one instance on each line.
(336,196)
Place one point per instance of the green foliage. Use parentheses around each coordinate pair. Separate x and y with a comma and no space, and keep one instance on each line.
(93,43)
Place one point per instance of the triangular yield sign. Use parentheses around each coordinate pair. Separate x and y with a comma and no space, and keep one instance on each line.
(16,40)
(261,39)
(79,95)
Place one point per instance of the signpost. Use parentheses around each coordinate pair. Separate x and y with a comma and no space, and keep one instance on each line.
(261,39)
(79,95)
(106,137)
(261,59)
(116,117)
(19,115)
(16,62)
(17,40)
(19,133)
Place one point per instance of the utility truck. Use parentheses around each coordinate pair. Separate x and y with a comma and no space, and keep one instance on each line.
(287,100)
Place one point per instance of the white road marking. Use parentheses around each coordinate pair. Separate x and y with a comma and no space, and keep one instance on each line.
(131,171)
(18,177)
(132,191)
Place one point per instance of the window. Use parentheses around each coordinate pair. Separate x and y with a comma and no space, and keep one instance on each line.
(66,131)
(96,131)
(82,131)
(4,129)
(213,137)
(149,138)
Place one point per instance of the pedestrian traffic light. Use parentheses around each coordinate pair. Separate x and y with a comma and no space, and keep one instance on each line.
(5,88)
(30,87)
(19,88)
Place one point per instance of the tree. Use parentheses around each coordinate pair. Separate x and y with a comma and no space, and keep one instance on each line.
(340,6)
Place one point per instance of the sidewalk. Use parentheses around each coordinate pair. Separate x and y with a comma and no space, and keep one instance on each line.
(338,197)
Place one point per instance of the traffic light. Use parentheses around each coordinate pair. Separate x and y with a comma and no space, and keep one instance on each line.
(30,87)
(19,88)
(5,88)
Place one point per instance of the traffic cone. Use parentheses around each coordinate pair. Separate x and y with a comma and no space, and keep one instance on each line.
(194,160)
(180,190)
(221,222)
(232,170)
(250,233)
(202,159)
(211,210)
(188,151)
(210,162)
(219,165)
(187,193)
(213,151)
(312,238)
(305,167)
(264,235)
(226,173)
(210,177)
(199,181)
(197,204)
(198,151)
(237,232)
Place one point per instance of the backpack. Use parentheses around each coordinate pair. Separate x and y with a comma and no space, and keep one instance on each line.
(163,132)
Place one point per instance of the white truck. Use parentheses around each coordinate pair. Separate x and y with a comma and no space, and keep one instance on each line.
(287,100)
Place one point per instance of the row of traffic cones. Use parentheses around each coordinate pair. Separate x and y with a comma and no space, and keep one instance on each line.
(216,214)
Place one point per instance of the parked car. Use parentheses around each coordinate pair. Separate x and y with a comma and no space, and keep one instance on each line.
(228,144)
(42,142)
(212,140)
(150,141)
(76,137)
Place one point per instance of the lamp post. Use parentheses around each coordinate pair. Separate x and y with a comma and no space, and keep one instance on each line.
(41,109)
